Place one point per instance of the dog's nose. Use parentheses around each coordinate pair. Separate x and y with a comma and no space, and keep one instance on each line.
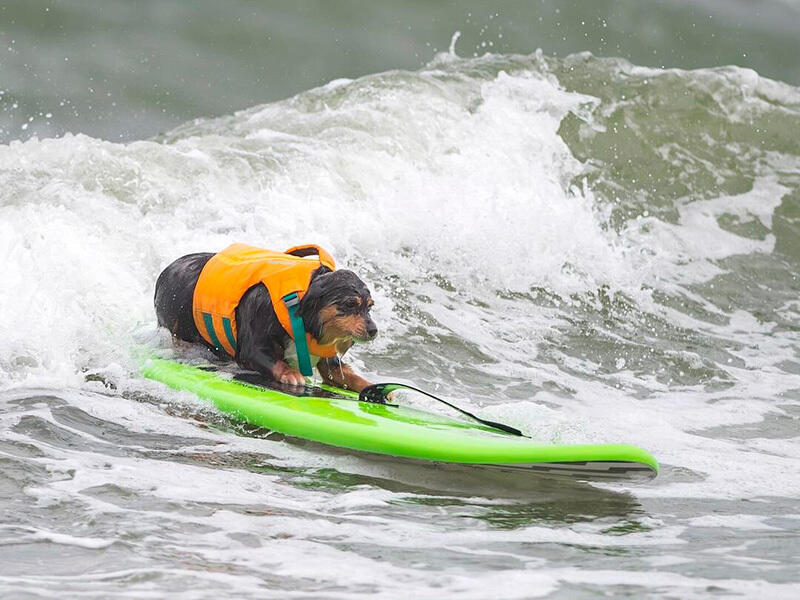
(372,330)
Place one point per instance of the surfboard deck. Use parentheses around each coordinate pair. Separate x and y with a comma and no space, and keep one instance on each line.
(336,417)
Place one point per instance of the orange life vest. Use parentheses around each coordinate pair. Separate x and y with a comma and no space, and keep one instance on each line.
(229,274)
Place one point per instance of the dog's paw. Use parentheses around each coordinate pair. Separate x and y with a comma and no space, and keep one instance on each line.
(292,377)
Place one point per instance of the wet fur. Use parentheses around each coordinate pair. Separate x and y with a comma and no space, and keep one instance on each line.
(334,308)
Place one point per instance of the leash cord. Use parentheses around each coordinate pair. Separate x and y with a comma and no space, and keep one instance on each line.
(376,394)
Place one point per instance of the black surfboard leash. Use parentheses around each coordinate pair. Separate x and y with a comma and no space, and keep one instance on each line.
(376,393)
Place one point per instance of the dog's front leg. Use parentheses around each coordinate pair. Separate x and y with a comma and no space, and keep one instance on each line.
(270,366)
(335,372)
(285,374)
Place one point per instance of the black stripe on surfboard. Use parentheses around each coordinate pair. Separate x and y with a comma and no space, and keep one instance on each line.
(608,469)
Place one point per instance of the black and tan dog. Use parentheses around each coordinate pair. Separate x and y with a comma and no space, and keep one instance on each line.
(235,302)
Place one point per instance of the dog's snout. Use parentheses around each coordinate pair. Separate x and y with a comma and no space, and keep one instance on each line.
(372,330)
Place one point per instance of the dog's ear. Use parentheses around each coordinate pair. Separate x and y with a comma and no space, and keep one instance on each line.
(320,282)
(313,301)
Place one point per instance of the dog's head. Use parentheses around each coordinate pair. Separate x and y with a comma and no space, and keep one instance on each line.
(336,306)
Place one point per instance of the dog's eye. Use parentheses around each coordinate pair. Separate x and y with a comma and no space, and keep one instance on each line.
(350,304)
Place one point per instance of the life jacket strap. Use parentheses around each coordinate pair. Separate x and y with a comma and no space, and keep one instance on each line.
(299,334)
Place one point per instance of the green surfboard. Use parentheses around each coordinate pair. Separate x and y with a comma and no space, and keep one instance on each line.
(336,417)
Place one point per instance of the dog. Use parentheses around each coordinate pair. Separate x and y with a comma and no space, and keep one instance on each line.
(335,310)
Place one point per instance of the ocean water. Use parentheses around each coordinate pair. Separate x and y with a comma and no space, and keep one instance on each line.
(590,248)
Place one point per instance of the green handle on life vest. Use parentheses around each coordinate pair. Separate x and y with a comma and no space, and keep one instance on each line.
(299,334)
